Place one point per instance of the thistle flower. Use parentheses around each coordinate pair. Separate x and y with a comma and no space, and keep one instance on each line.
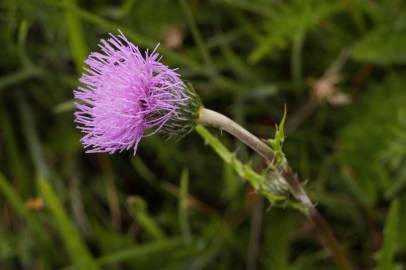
(128,96)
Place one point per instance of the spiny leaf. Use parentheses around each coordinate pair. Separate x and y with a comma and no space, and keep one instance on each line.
(277,142)
(258,181)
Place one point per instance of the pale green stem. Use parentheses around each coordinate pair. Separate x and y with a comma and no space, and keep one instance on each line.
(218,120)
(215,119)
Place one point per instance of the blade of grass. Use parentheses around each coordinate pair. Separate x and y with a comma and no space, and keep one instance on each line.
(197,37)
(138,210)
(296,60)
(354,188)
(238,66)
(31,223)
(78,47)
(111,190)
(74,244)
(65,106)
(248,27)
(386,254)
(208,255)
(183,206)
(18,204)
(31,136)
(168,188)
(21,43)
(140,39)
(144,171)
(126,7)
(152,249)
(247,5)
(16,164)
(398,185)
(18,76)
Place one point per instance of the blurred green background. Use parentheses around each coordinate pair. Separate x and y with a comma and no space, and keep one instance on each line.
(338,65)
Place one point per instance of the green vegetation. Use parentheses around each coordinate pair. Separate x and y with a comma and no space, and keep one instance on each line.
(337,65)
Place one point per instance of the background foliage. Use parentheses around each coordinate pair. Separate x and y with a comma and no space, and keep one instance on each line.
(338,65)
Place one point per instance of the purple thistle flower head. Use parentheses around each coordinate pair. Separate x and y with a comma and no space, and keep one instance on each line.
(127,96)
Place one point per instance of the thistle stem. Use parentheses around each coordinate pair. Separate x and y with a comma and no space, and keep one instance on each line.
(215,119)
(218,120)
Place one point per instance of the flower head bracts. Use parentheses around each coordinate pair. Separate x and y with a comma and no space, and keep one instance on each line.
(126,95)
